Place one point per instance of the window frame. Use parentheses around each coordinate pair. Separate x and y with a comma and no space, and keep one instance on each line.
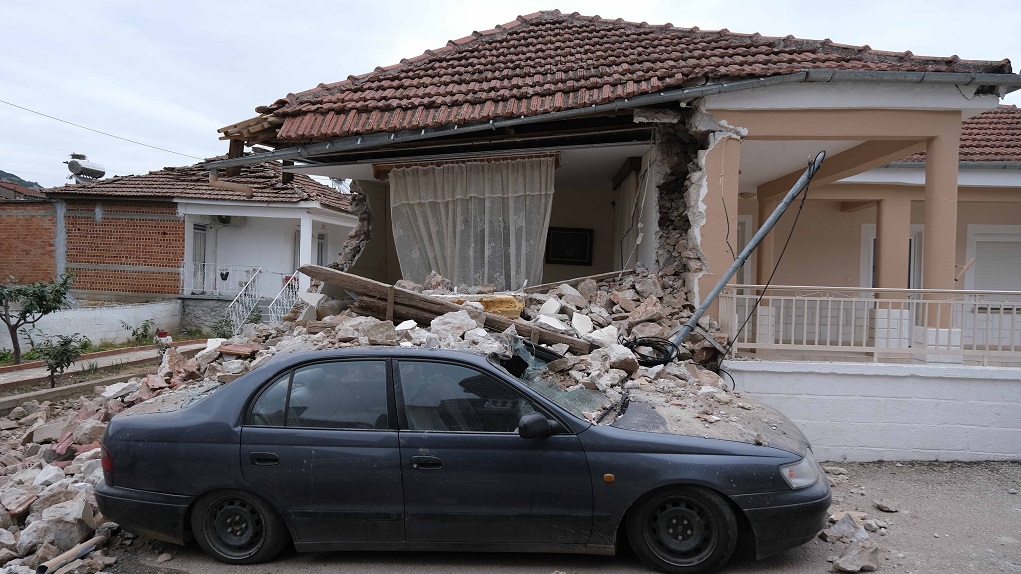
(391,410)
(538,404)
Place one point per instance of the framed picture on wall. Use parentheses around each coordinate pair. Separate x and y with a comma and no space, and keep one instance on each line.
(569,246)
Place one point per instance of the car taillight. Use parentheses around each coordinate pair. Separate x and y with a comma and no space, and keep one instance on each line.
(107,460)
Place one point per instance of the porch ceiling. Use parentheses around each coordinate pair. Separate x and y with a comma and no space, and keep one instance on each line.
(766,160)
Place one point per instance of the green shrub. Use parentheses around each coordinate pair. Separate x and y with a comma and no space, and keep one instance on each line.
(60,352)
(143,334)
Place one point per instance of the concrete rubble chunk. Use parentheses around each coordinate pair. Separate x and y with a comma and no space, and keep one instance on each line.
(453,324)
(850,529)
(553,324)
(616,356)
(552,306)
(582,323)
(48,433)
(588,289)
(48,475)
(88,431)
(885,507)
(648,286)
(118,390)
(382,333)
(859,556)
(602,337)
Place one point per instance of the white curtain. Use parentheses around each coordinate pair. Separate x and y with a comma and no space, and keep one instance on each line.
(474,222)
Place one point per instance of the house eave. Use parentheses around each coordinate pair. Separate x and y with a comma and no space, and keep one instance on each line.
(1004,83)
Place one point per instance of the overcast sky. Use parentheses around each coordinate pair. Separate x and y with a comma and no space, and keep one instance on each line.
(170,73)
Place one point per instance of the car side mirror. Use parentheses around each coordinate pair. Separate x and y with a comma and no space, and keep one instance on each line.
(536,425)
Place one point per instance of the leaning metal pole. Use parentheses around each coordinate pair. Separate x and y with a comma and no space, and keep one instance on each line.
(679,334)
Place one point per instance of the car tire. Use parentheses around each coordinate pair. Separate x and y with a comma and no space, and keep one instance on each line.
(237,527)
(683,530)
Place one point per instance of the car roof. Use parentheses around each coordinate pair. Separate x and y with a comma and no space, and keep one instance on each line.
(285,361)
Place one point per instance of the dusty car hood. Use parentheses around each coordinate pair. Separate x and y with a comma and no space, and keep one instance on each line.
(743,420)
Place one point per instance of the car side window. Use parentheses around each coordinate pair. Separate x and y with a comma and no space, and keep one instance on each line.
(339,395)
(334,395)
(447,397)
(268,410)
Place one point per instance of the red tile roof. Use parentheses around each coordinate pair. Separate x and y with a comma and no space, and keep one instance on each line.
(990,136)
(548,61)
(20,189)
(192,182)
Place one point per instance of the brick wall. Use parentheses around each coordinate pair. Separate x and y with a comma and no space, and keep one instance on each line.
(125,247)
(27,231)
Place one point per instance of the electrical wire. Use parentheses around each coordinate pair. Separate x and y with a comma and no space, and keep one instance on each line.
(99,132)
(665,350)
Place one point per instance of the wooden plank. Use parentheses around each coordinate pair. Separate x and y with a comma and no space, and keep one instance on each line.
(574,282)
(411,305)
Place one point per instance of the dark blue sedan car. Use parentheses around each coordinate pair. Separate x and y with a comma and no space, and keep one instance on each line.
(413,449)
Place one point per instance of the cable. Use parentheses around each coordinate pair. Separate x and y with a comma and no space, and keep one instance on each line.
(665,350)
(99,132)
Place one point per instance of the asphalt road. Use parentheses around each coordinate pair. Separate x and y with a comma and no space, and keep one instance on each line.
(952,519)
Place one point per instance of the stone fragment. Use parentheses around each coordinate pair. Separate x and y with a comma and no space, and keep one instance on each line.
(88,431)
(18,412)
(8,424)
(648,286)
(575,301)
(453,324)
(382,333)
(436,282)
(48,475)
(565,289)
(859,556)
(616,356)
(6,555)
(8,540)
(553,324)
(850,529)
(409,285)
(602,337)
(72,522)
(48,433)
(582,323)
(885,507)
(834,470)
(552,306)
(588,289)
(611,378)
(406,326)
(165,557)
(118,390)
(234,367)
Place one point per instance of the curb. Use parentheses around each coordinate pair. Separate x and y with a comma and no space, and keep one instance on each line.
(7,404)
(137,362)
(96,355)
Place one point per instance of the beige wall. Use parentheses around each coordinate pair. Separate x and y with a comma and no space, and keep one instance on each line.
(589,208)
(826,247)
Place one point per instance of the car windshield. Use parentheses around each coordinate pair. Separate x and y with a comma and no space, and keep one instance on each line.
(528,365)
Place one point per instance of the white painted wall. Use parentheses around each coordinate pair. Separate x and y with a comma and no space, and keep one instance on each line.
(864,411)
(104,323)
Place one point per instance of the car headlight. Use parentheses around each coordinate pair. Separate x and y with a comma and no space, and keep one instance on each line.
(803,473)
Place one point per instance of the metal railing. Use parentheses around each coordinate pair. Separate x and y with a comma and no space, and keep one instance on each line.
(240,309)
(896,325)
(284,300)
(215,280)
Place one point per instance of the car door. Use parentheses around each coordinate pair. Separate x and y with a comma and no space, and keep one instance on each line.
(318,443)
(469,477)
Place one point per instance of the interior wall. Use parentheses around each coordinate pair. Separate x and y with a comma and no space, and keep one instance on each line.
(378,259)
(590,207)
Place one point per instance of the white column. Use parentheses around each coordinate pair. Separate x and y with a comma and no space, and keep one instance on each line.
(304,250)
(187,274)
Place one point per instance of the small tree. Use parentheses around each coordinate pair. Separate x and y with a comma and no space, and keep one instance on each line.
(61,354)
(25,304)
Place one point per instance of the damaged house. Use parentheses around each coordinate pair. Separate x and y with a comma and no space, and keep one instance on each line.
(561,145)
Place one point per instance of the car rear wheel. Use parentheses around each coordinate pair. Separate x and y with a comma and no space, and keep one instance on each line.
(683,530)
(237,528)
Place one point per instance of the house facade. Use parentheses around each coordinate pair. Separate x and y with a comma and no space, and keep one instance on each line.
(561,145)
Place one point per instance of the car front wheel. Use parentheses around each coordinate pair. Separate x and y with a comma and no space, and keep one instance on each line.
(237,528)
(683,530)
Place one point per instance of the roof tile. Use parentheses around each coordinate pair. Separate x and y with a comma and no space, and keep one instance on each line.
(192,182)
(991,136)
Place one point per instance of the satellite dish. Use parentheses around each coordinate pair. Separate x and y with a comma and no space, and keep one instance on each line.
(82,170)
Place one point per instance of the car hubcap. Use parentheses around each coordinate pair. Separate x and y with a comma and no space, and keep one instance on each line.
(237,527)
(681,531)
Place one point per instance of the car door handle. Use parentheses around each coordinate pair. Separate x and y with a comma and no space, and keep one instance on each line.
(264,458)
(426,463)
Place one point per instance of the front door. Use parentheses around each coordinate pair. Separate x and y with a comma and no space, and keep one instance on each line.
(318,443)
(467,474)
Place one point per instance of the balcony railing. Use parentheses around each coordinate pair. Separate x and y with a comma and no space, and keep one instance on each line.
(215,280)
(889,325)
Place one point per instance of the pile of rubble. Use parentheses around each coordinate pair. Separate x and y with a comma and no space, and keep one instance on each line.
(50,453)
(854,529)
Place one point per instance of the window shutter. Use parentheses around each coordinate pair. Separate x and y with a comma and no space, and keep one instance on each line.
(998,265)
